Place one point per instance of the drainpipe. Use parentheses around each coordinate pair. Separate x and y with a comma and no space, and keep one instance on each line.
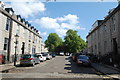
(9,40)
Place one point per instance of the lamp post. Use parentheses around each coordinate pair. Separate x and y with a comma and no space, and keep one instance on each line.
(16,42)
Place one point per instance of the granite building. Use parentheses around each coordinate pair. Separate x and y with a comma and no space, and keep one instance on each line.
(104,37)
(28,41)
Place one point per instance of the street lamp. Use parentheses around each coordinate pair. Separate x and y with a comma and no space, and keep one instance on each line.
(16,42)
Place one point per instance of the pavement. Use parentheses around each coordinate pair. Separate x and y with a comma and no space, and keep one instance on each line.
(6,67)
(107,70)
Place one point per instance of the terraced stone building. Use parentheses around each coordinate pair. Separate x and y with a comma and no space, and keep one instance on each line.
(28,41)
(104,37)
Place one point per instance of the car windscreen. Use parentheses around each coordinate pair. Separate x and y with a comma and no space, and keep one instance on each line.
(39,55)
(83,57)
(44,54)
(26,56)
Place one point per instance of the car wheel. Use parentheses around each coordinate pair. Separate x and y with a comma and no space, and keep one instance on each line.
(33,64)
(39,62)
(21,65)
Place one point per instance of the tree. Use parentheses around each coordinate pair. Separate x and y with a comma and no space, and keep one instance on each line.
(73,42)
(53,41)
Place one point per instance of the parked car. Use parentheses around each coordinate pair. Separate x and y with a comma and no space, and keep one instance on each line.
(41,57)
(67,54)
(53,55)
(48,56)
(75,56)
(83,60)
(29,59)
(61,54)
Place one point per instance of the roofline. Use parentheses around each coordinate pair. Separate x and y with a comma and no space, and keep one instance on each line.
(112,13)
(17,21)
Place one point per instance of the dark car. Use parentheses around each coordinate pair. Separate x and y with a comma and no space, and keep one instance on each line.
(75,56)
(29,59)
(53,55)
(83,60)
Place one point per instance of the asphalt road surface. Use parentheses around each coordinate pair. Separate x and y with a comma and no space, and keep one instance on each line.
(56,68)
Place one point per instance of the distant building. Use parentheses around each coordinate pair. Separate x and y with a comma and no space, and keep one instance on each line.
(29,40)
(104,37)
(43,48)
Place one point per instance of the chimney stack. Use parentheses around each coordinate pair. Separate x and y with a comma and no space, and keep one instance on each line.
(2,5)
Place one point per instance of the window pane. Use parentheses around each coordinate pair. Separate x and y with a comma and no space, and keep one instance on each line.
(7,24)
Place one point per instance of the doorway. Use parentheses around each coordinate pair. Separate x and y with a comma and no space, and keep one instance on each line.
(115,49)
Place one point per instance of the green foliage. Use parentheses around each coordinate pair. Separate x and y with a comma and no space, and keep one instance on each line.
(73,42)
(53,41)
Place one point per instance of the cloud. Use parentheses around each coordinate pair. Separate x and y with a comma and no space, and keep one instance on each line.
(61,32)
(19,0)
(26,7)
(71,19)
(48,23)
(42,33)
(60,24)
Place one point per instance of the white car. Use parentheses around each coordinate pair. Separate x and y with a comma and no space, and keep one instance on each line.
(61,54)
(41,57)
(48,56)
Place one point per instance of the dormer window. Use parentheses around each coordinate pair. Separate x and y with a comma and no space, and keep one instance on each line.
(23,21)
(32,27)
(9,10)
(26,23)
(19,17)
(29,25)
(35,30)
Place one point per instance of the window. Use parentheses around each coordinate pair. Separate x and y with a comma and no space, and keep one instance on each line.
(33,49)
(18,29)
(113,25)
(7,24)
(28,47)
(29,35)
(5,43)
(33,37)
(95,47)
(105,46)
(105,28)
(24,32)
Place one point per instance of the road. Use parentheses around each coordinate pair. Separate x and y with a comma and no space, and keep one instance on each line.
(58,67)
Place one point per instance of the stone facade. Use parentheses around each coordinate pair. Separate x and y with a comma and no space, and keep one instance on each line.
(104,37)
(43,48)
(28,42)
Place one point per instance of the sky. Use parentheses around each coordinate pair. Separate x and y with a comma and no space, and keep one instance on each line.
(58,17)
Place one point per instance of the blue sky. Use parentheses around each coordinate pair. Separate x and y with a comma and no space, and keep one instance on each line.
(58,17)
(88,12)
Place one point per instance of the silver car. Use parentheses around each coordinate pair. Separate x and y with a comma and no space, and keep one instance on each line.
(41,57)
(29,59)
(48,56)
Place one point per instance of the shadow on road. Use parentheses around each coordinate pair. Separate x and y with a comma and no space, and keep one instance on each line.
(74,68)
(18,65)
